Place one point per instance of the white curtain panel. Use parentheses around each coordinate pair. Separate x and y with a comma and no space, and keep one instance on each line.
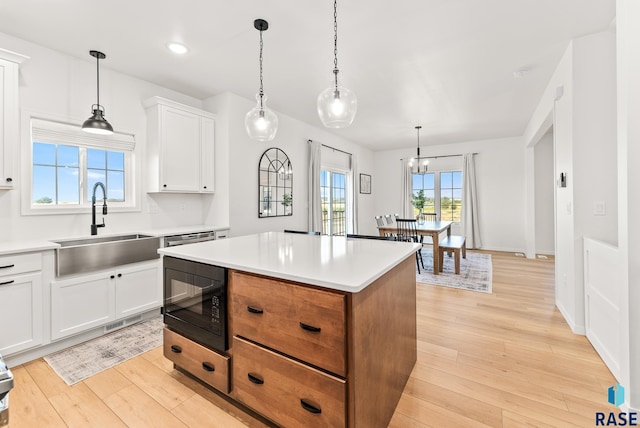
(406,189)
(470,221)
(352,197)
(315,202)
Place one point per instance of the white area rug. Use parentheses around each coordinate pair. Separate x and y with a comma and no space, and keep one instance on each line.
(475,272)
(79,362)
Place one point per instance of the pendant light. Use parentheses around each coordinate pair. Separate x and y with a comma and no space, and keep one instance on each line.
(261,122)
(97,124)
(418,165)
(337,105)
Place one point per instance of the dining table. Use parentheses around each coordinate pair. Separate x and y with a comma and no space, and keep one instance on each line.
(428,228)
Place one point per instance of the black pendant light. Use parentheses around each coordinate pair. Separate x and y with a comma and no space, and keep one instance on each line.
(97,124)
(418,165)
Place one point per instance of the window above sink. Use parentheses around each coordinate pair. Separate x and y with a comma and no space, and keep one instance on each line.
(64,163)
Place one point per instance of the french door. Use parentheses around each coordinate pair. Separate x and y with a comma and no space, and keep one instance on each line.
(333,192)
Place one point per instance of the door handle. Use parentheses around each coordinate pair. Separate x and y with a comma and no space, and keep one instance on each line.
(254,310)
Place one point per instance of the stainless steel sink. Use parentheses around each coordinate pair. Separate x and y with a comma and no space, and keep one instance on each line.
(103,252)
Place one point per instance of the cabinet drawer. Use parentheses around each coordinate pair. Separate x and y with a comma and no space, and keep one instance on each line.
(20,263)
(303,322)
(205,364)
(285,391)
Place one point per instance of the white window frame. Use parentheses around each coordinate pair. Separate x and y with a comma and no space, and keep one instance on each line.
(46,129)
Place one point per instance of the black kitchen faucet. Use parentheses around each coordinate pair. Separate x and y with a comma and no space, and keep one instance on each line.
(94,226)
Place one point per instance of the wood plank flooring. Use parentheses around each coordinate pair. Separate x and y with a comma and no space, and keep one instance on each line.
(506,359)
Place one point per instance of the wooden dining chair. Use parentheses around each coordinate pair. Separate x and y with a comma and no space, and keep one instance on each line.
(389,219)
(430,216)
(406,230)
(380,221)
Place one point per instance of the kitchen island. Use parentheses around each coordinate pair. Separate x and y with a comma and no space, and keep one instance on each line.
(322,330)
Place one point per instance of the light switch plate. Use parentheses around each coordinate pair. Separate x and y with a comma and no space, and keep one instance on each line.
(599,208)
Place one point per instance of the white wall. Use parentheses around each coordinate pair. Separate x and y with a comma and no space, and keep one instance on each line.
(584,115)
(243,155)
(500,183)
(544,195)
(628,90)
(54,84)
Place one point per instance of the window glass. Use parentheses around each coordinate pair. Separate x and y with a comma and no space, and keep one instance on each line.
(424,183)
(451,195)
(444,199)
(58,171)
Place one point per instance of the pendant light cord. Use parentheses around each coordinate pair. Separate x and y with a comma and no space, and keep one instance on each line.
(335,41)
(98,80)
(261,84)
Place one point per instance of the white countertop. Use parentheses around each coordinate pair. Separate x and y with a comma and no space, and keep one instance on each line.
(333,262)
(14,247)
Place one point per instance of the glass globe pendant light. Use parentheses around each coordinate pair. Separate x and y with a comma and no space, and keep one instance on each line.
(261,122)
(337,105)
(97,124)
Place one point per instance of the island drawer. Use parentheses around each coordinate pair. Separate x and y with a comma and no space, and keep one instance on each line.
(285,391)
(205,364)
(303,322)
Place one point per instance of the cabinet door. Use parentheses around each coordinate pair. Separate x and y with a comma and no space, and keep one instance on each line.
(207,159)
(180,163)
(138,289)
(81,303)
(8,121)
(20,312)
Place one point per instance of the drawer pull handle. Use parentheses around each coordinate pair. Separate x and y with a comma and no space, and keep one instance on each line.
(176,349)
(310,328)
(254,310)
(255,379)
(208,367)
(7,282)
(6,267)
(309,407)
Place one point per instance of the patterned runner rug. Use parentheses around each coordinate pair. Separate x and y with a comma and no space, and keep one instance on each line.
(79,362)
(475,271)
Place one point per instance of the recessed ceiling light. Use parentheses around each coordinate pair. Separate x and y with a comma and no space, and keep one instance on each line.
(177,48)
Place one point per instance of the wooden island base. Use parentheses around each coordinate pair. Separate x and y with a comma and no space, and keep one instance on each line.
(342,358)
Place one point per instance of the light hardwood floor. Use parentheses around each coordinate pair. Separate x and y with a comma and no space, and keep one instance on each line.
(505,359)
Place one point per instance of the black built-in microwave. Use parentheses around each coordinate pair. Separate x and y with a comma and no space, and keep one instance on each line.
(195,301)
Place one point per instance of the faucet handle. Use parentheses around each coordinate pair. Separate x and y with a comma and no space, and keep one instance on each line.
(101,225)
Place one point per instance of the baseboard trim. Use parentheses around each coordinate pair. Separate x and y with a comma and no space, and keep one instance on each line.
(577,329)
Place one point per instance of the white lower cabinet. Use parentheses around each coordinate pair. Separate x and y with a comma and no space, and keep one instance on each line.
(138,289)
(83,302)
(20,312)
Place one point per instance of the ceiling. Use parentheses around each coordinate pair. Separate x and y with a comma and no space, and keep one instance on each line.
(448,65)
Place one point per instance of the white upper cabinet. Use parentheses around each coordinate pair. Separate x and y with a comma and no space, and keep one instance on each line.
(9,115)
(180,147)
